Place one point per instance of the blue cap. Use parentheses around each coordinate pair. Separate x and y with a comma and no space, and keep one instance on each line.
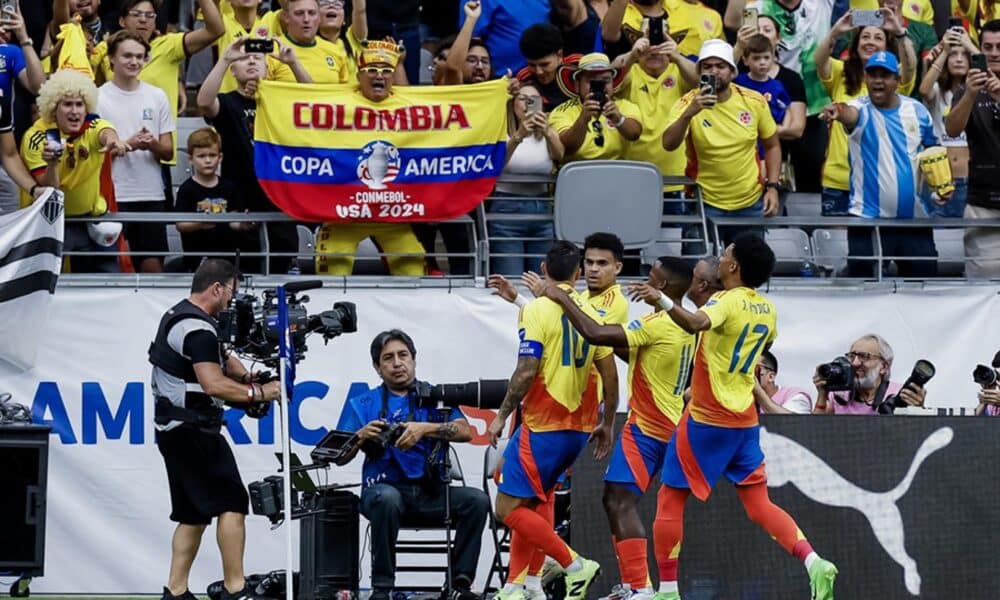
(884,60)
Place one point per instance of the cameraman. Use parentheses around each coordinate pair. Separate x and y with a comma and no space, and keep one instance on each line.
(191,379)
(871,359)
(406,480)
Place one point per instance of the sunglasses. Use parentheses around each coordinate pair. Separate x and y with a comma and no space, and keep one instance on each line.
(598,133)
(378,70)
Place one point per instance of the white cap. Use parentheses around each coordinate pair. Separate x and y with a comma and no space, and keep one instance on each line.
(717,49)
(104,234)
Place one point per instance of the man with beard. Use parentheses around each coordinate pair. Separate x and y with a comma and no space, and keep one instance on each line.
(886,132)
(722,124)
(871,359)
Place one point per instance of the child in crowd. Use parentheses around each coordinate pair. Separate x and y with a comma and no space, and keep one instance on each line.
(206,192)
(758,56)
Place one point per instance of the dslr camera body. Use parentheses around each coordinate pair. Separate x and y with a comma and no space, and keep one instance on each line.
(986,376)
(375,447)
(838,374)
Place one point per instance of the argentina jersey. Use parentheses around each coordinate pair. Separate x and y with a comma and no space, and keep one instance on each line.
(882,154)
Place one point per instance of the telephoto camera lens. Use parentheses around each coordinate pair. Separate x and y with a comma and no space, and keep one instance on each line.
(923,371)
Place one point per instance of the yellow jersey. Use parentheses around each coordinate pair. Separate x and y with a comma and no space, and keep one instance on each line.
(325,62)
(689,23)
(655,96)
(79,166)
(743,324)
(836,171)
(563,116)
(722,147)
(558,398)
(611,304)
(659,359)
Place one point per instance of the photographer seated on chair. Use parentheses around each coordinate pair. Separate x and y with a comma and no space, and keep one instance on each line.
(405,469)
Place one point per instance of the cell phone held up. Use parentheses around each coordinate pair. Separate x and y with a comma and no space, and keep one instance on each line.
(533,104)
(868,18)
(978,61)
(599,91)
(53,140)
(259,46)
(955,23)
(750,16)
(656,27)
(709,84)
(8,6)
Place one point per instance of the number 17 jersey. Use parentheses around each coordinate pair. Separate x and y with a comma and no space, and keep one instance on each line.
(743,323)
(559,399)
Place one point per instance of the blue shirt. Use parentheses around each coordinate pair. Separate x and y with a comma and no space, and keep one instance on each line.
(501,24)
(395,465)
(882,153)
(778,98)
(11,65)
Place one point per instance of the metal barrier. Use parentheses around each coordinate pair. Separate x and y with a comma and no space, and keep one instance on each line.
(689,234)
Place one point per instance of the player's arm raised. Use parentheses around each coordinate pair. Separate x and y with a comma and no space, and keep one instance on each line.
(517,389)
(691,322)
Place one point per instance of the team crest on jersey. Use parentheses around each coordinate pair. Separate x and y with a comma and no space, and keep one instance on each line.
(745,117)
(3,63)
(915,8)
(147,114)
(263,32)
(707,24)
(329,62)
(669,82)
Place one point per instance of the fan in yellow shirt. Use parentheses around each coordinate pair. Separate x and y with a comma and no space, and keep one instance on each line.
(688,23)
(323,60)
(241,20)
(844,81)
(66,104)
(582,130)
(725,128)
(657,78)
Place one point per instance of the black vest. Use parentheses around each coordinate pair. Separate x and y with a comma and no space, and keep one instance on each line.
(173,363)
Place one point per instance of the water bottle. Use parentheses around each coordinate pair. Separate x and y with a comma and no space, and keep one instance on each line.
(807,270)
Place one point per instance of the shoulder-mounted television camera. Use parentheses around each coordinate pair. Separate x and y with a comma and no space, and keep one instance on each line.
(249,325)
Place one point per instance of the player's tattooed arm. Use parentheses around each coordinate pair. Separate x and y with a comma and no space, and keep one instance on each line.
(517,389)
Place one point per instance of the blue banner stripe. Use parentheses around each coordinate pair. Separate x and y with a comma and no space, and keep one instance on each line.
(386,163)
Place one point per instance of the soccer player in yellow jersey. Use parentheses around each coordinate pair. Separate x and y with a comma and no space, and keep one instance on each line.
(603,254)
(659,359)
(559,415)
(324,61)
(721,128)
(719,434)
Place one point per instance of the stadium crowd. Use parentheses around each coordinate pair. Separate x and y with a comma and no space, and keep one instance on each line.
(867,105)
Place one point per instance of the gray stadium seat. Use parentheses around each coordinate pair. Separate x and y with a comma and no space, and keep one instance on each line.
(173,263)
(791,248)
(801,204)
(368,259)
(620,197)
(830,250)
(951,252)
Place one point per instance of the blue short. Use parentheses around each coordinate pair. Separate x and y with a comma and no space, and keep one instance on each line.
(534,461)
(699,454)
(635,459)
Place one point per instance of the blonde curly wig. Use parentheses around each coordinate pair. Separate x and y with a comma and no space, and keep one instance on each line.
(66,84)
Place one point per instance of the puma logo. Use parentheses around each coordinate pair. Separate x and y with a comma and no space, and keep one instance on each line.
(790,462)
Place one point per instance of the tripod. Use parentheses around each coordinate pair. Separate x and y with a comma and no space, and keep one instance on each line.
(444,447)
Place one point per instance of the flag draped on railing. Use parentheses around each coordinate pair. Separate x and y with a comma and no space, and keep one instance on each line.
(31,245)
(423,154)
